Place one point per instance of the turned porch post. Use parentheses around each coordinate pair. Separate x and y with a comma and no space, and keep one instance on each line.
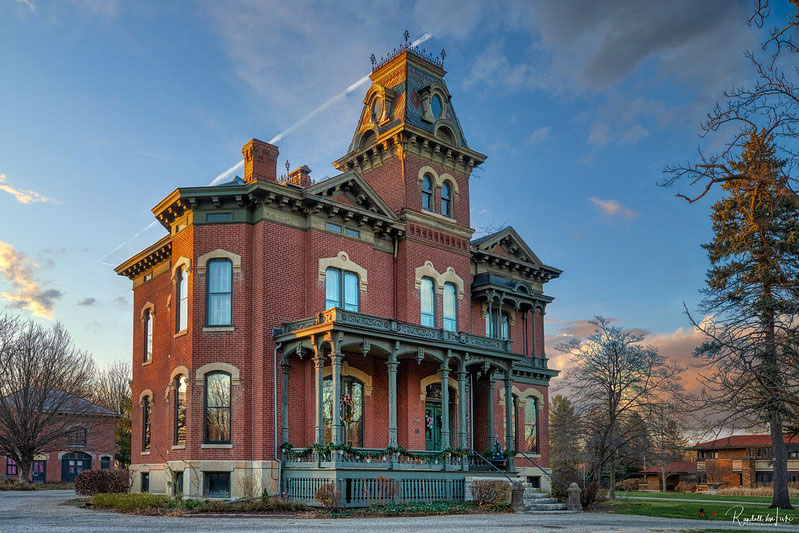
(319,365)
(445,443)
(509,444)
(491,434)
(335,360)
(462,407)
(392,399)
(286,369)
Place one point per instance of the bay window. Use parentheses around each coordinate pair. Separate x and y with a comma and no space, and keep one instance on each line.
(219,287)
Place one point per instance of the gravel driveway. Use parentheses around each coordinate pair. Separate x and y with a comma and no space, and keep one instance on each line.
(40,511)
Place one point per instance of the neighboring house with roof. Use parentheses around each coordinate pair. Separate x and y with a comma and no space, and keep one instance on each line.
(90,443)
(743,460)
(354,314)
(676,472)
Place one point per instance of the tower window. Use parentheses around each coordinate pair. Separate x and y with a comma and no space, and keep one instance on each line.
(219,286)
(148,335)
(182,319)
(446,199)
(427,192)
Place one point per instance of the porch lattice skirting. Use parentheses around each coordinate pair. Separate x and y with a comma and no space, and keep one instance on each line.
(362,488)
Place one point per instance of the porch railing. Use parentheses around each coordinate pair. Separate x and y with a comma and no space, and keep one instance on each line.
(379,458)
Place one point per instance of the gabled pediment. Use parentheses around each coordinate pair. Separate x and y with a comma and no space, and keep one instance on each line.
(508,243)
(350,188)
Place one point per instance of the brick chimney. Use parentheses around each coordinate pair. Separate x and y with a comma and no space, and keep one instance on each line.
(260,161)
(301,176)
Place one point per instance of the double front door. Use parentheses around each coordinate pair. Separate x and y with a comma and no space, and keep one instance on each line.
(432,420)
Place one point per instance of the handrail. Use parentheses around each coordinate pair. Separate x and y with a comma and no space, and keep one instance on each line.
(553,478)
(478,454)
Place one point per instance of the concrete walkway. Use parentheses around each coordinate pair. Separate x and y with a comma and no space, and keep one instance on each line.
(43,511)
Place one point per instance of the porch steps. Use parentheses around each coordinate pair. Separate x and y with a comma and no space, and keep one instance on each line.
(537,501)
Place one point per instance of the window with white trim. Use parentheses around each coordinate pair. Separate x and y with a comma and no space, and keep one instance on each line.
(450,307)
(428,302)
(182,308)
(341,289)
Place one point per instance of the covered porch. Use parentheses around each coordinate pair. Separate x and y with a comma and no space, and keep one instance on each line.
(374,405)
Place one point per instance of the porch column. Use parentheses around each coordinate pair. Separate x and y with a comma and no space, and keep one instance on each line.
(445,405)
(392,400)
(286,369)
(335,360)
(509,444)
(462,407)
(319,365)
(491,434)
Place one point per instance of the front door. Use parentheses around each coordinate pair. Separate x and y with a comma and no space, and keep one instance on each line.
(39,471)
(432,420)
(73,464)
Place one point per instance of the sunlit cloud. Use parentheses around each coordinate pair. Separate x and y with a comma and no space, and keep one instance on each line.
(20,272)
(538,136)
(611,208)
(23,196)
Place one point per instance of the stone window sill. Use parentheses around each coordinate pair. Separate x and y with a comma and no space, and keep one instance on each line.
(178,446)
(147,362)
(215,329)
(216,446)
(180,333)
(145,453)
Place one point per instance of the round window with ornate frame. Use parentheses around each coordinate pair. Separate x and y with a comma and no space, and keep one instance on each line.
(377,109)
(436,106)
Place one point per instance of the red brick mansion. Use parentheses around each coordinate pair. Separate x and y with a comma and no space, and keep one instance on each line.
(289,334)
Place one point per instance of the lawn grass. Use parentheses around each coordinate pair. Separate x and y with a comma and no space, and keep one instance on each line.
(724,512)
(692,496)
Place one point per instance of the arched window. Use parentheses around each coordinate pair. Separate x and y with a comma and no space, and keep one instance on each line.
(446,199)
(219,286)
(350,406)
(427,192)
(428,305)
(497,326)
(146,411)
(341,289)
(148,335)
(182,308)
(180,409)
(450,307)
(217,408)
(531,424)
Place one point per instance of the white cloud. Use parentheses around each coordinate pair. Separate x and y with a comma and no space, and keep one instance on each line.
(23,196)
(20,272)
(538,136)
(610,208)
(599,134)
(30,5)
(634,134)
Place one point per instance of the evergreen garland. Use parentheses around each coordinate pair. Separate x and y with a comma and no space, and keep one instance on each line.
(428,457)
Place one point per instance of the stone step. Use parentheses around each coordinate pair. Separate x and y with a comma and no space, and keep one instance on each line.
(545,507)
(534,501)
(528,494)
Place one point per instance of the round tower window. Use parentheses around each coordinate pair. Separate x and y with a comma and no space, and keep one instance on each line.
(436,106)
(377,109)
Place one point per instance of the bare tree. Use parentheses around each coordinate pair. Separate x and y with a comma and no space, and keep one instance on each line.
(613,378)
(112,390)
(665,427)
(44,383)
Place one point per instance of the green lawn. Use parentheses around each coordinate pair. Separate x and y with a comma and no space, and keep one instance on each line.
(725,513)
(692,496)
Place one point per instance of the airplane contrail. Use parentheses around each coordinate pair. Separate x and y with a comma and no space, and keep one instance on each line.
(327,103)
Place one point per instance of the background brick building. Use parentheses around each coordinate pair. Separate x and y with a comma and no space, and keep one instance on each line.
(356,311)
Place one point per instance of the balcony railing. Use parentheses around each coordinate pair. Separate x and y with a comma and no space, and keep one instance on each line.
(391,326)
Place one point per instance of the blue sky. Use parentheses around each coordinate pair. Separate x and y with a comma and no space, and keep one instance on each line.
(106,107)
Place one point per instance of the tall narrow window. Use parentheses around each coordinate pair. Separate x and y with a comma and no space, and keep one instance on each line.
(531,424)
(446,199)
(217,408)
(148,335)
(341,289)
(427,192)
(497,325)
(180,410)
(220,293)
(428,303)
(450,307)
(146,408)
(350,406)
(182,320)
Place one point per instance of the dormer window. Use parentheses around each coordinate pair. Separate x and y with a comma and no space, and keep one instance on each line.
(377,110)
(427,192)
(436,106)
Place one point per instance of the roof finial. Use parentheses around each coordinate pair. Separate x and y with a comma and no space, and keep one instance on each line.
(443,55)
(407,36)
(373,59)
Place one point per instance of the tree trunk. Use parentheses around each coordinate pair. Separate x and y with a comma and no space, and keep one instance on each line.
(612,490)
(781,497)
(25,471)
(664,479)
